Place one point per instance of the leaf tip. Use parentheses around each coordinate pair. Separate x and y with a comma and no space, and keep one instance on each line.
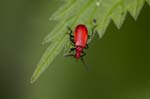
(46,40)
(43,42)
(100,34)
(52,19)
(32,81)
(34,77)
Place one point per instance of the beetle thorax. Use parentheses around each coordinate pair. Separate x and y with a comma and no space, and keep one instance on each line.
(79,50)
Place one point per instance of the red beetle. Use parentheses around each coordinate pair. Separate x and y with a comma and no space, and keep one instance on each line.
(79,40)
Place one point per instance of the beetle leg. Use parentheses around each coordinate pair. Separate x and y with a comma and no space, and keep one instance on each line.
(72,40)
(83,54)
(70,33)
(82,60)
(72,49)
(68,54)
(71,36)
(86,47)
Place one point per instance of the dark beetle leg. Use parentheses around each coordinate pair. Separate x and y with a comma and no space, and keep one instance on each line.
(82,60)
(72,49)
(71,36)
(70,33)
(88,36)
(83,54)
(87,46)
(72,40)
(68,54)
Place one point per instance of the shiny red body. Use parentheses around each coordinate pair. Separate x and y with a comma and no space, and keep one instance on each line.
(80,39)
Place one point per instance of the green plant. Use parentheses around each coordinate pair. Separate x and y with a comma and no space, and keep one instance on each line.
(74,12)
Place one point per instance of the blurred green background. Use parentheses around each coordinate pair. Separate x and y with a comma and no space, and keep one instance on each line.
(119,62)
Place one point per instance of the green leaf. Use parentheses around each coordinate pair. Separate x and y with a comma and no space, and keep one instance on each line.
(73,12)
(48,56)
